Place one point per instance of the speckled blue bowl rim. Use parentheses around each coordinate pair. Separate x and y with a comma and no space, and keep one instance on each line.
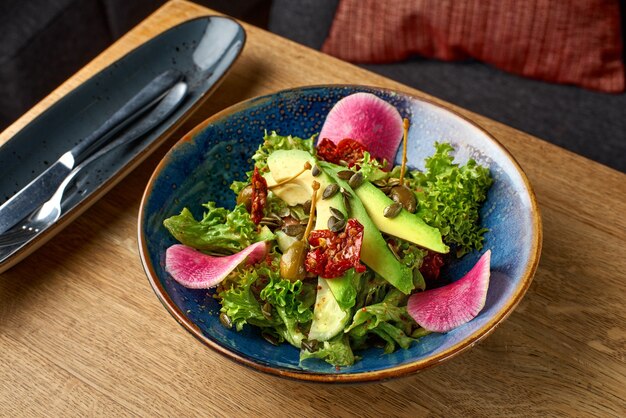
(368,376)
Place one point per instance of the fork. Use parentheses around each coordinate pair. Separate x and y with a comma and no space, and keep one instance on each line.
(51,210)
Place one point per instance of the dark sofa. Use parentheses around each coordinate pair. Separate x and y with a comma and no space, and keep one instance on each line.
(45,41)
(586,122)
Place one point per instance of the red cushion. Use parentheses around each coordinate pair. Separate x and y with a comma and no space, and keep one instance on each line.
(564,41)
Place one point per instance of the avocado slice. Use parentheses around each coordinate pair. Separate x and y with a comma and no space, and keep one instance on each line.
(344,289)
(375,252)
(284,164)
(405,225)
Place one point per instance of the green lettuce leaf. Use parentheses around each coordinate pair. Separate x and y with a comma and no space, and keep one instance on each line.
(371,289)
(392,336)
(412,256)
(450,197)
(336,351)
(276,205)
(290,331)
(295,298)
(219,231)
(238,300)
(388,320)
(249,288)
(372,170)
(273,142)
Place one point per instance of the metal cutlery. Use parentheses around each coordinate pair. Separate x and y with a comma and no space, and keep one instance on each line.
(41,188)
(51,210)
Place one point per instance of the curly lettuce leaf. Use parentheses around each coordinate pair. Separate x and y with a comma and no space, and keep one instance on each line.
(295,298)
(238,300)
(450,197)
(219,231)
(237,186)
(371,168)
(336,351)
(412,256)
(388,320)
(249,288)
(292,301)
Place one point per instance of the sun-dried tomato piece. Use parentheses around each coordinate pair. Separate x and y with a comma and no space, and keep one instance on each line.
(347,150)
(327,151)
(259,196)
(431,266)
(332,253)
(350,151)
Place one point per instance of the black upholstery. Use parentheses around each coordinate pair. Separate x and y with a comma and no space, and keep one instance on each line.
(43,42)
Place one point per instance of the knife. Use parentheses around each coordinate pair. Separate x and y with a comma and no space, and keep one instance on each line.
(43,187)
(51,211)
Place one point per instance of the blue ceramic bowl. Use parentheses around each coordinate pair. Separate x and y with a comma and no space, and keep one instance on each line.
(204,163)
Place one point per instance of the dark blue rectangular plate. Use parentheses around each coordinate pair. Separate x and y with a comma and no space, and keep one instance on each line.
(203,49)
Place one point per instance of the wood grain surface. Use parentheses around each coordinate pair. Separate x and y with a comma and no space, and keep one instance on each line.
(82,333)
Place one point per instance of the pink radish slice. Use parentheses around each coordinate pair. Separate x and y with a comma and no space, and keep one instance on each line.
(196,270)
(367,119)
(445,308)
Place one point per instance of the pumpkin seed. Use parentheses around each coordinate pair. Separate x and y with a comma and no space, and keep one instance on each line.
(346,203)
(345,174)
(284,212)
(356,180)
(392,210)
(294,229)
(393,181)
(306,206)
(380,183)
(393,250)
(330,191)
(315,171)
(271,221)
(294,214)
(266,310)
(405,197)
(336,225)
(225,320)
(337,213)
(270,338)
(310,345)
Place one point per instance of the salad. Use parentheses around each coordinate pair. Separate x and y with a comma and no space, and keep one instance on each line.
(332,249)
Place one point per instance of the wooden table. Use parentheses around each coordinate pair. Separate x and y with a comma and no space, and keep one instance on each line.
(82,333)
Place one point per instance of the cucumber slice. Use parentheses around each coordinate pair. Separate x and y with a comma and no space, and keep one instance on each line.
(328,318)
